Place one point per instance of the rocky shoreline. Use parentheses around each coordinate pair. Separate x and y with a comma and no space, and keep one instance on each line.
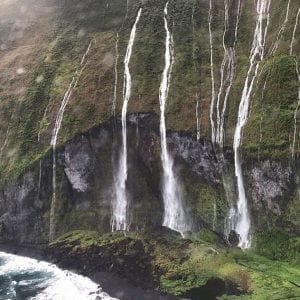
(110,283)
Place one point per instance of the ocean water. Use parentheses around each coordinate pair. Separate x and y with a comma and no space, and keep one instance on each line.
(23,278)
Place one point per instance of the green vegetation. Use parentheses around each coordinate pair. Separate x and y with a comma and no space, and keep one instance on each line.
(277,245)
(181,265)
(270,126)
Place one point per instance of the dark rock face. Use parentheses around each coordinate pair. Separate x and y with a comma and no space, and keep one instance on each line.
(233,238)
(269,183)
(23,205)
(199,156)
(79,163)
(86,168)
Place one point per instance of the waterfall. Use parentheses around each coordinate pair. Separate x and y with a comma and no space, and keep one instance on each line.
(227,73)
(5,139)
(116,76)
(197,118)
(195,70)
(281,30)
(294,32)
(214,216)
(298,76)
(174,213)
(7,133)
(296,112)
(56,129)
(212,103)
(230,221)
(114,103)
(119,218)
(261,117)
(242,226)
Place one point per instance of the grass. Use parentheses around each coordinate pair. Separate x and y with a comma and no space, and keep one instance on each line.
(181,265)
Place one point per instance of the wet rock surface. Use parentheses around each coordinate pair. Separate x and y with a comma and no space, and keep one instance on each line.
(269,184)
(85,183)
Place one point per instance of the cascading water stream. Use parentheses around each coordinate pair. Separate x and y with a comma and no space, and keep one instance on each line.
(296,112)
(242,226)
(116,76)
(261,117)
(119,218)
(174,214)
(195,70)
(55,133)
(294,32)
(281,30)
(114,102)
(212,103)
(227,73)
(298,76)
(197,118)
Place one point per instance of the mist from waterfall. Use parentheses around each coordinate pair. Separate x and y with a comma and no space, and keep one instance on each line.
(242,226)
(175,216)
(55,132)
(120,203)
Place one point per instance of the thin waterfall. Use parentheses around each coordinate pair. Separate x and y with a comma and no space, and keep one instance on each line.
(296,112)
(242,226)
(214,216)
(281,30)
(197,118)
(55,132)
(195,70)
(114,103)
(298,76)
(5,139)
(174,214)
(116,75)
(119,218)
(212,103)
(7,133)
(261,117)
(294,32)
(227,73)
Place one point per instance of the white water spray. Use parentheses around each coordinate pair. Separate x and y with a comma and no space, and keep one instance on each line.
(227,75)
(55,132)
(174,213)
(46,280)
(281,30)
(242,226)
(294,32)
(119,218)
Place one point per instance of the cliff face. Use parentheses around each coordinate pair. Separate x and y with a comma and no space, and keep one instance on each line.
(43,44)
(85,185)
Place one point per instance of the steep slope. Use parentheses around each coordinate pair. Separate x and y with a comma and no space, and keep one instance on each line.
(62,66)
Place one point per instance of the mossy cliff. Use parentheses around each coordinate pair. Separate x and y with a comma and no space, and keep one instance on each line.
(189,268)
(42,44)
